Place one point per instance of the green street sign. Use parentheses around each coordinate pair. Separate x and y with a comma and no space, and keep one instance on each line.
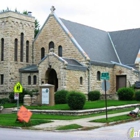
(18,88)
(105,76)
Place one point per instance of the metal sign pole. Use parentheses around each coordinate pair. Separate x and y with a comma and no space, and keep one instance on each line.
(105,99)
(18,101)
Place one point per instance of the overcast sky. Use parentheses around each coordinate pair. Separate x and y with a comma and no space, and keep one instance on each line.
(107,15)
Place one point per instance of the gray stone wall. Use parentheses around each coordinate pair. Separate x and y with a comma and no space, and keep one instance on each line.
(24,81)
(11,26)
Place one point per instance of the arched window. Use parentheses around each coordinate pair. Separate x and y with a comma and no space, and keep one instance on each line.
(98,75)
(42,53)
(60,51)
(16,50)
(81,80)
(2,49)
(21,46)
(29,80)
(34,79)
(27,51)
(51,45)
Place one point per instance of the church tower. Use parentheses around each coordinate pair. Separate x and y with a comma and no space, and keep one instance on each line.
(16,37)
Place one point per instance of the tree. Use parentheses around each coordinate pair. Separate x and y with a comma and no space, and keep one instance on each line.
(36,27)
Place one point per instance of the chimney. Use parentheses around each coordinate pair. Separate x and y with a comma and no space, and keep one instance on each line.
(29,13)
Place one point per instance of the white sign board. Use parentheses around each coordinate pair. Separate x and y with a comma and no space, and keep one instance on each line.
(16,96)
(45,95)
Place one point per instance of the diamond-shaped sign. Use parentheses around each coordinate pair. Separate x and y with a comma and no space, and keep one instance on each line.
(18,88)
(24,114)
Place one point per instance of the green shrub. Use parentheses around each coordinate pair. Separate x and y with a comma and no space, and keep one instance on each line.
(94,95)
(4,100)
(125,93)
(11,97)
(137,95)
(76,100)
(21,95)
(60,97)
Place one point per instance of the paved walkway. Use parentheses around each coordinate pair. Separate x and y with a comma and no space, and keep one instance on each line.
(83,122)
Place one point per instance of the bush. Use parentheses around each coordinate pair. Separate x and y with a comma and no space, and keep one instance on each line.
(94,95)
(60,97)
(76,100)
(137,95)
(125,93)
(4,100)
(21,95)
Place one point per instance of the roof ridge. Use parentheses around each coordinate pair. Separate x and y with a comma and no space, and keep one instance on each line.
(114,47)
(71,37)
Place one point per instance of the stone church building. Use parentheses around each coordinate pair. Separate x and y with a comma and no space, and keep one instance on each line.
(66,54)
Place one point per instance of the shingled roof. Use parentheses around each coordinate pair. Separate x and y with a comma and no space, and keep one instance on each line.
(101,46)
(95,42)
(127,44)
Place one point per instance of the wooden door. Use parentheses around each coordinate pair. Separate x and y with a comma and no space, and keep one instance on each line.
(120,81)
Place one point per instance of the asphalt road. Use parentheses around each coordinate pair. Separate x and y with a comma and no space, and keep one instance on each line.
(117,132)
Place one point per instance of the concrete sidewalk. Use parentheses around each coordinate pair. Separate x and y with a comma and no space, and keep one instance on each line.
(83,122)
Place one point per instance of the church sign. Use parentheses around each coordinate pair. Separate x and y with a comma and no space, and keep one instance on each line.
(45,95)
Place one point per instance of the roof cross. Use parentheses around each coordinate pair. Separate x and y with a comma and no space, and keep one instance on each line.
(52,9)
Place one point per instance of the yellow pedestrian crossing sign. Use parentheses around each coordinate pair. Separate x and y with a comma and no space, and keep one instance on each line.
(18,88)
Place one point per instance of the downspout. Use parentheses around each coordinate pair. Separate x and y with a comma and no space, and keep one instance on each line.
(89,67)
(20,75)
(32,52)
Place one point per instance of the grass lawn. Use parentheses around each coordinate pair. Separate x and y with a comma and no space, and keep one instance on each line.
(10,120)
(114,119)
(88,105)
(68,127)
(10,105)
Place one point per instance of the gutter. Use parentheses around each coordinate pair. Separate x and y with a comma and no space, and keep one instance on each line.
(89,76)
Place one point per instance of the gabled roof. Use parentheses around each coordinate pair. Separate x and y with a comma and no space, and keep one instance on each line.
(71,64)
(127,44)
(94,42)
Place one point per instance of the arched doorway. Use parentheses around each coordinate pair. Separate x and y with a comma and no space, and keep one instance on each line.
(51,77)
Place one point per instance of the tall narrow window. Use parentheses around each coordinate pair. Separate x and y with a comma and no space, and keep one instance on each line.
(2,49)
(29,80)
(51,45)
(81,80)
(60,51)
(27,51)
(98,75)
(21,47)
(42,52)
(16,50)
(2,79)
(34,79)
